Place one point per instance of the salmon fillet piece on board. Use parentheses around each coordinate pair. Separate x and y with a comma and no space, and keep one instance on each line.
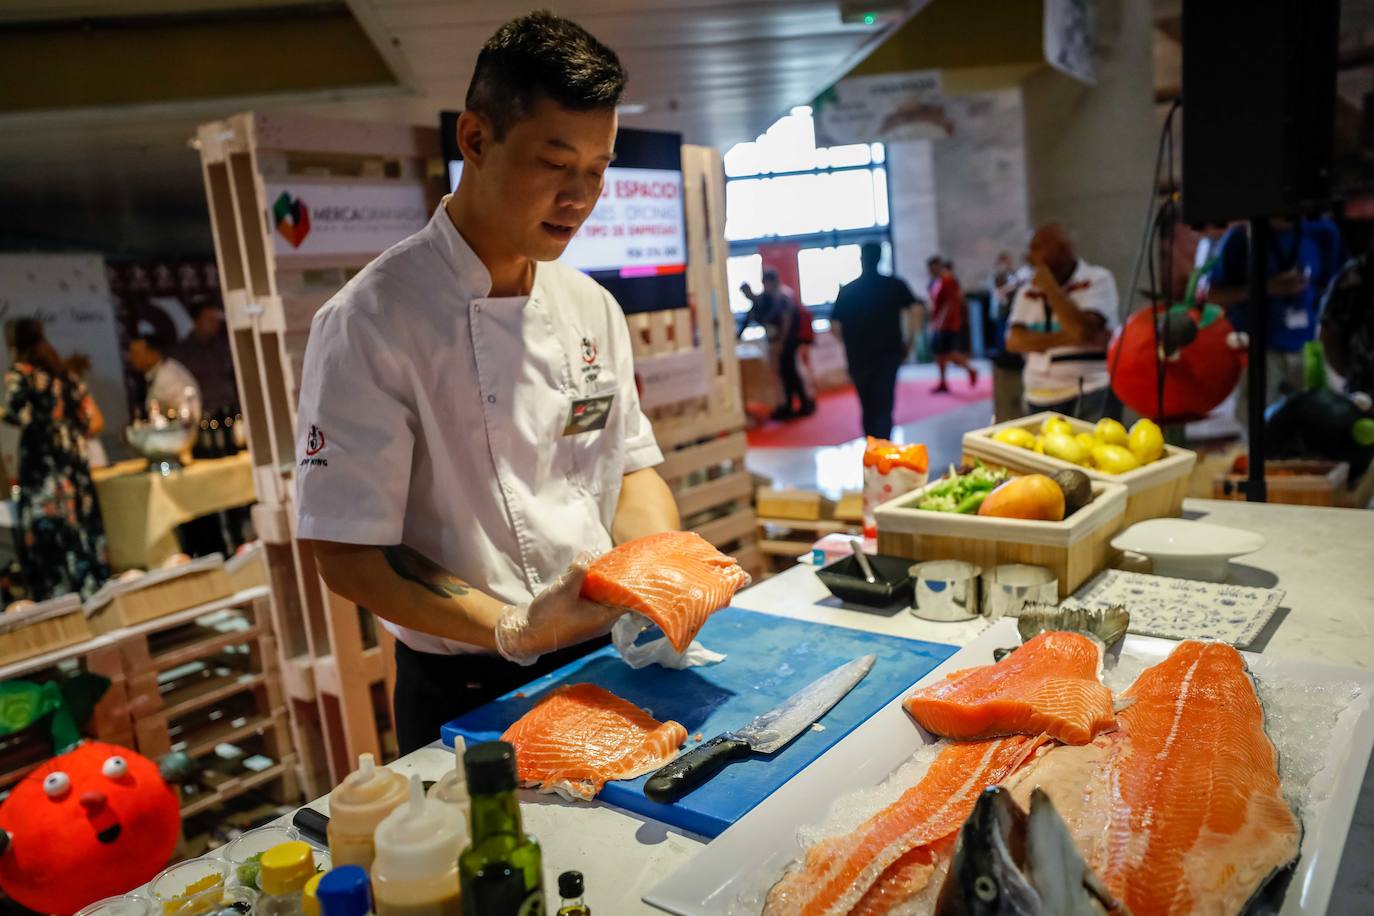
(1052,685)
(1199,823)
(837,873)
(676,579)
(581,736)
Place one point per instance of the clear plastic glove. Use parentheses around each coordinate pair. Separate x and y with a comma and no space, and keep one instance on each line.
(556,618)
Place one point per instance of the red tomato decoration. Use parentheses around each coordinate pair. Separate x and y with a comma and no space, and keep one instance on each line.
(91,823)
(1196,379)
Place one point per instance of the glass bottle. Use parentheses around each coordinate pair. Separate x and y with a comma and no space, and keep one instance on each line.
(502,871)
(570,889)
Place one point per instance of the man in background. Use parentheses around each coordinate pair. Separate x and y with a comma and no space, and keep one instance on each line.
(777,313)
(1061,321)
(868,319)
(947,325)
(205,352)
(1302,258)
(171,386)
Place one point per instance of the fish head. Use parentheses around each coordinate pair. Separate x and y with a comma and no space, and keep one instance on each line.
(1063,881)
(985,877)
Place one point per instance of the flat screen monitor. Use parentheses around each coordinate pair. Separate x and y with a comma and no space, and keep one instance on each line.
(634,243)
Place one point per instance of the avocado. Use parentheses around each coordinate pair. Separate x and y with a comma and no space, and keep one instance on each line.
(1078,491)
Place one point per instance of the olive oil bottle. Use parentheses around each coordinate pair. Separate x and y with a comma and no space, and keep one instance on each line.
(502,871)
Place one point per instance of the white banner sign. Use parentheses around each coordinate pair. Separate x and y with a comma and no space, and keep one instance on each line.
(887,107)
(70,294)
(671,378)
(342,219)
(1068,38)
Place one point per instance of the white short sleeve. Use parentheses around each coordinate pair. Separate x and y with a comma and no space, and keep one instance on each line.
(1024,309)
(1099,296)
(354,437)
(641,448)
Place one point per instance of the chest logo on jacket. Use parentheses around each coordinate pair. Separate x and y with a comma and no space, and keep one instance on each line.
(591,367)
(314,444)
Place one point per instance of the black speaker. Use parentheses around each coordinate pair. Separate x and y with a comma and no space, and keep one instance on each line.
(1259,90)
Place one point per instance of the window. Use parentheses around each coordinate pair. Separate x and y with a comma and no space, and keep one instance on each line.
(830,200)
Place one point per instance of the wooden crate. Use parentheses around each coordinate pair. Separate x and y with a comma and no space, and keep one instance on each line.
(803,505)
(158,593)
(1153,491)
(1076,548)
(1292,482)
(46,626)
(247,569)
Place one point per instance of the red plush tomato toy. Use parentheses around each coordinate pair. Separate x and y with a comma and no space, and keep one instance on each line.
(1197,376)
(91,823)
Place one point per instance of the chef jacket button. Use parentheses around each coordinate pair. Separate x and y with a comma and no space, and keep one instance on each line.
(477,308)
(491,399)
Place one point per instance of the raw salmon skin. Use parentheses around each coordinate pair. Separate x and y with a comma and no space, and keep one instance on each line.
(1052,685)
(883,854)
(581,736)
(676,579)
(1198,823)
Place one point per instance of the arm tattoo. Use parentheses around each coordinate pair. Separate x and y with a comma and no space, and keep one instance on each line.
(411,564)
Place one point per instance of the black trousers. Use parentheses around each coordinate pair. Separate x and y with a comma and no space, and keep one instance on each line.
(792,387)
(875,381)
(433,689)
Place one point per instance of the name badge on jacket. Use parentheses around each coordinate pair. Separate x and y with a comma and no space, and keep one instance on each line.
(588,414)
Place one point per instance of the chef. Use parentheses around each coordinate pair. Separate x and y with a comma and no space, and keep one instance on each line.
(469,429)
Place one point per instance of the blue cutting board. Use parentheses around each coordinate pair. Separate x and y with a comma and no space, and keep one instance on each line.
(768,659)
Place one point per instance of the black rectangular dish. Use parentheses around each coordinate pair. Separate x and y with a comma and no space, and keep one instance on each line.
(846,581)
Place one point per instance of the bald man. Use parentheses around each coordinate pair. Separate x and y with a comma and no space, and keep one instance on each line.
(1061,321)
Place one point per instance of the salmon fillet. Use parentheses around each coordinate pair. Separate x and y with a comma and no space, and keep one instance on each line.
(581,736)
(676,579)
(837,873)
(1199,823)
(1052,685)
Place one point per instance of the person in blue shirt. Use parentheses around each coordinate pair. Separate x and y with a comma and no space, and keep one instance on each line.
(1303,255)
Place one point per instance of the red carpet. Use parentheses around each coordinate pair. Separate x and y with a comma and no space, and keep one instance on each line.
(837,418)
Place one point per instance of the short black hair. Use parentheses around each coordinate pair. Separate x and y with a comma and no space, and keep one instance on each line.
(153,342)
(542,56)
(771,274)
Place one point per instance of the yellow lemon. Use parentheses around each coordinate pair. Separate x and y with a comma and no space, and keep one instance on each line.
(1111,432)
(1088,441)
(1066,448)
(1114,459)
(1015,435)
(1039,445)
(1146,441)
(1055,424)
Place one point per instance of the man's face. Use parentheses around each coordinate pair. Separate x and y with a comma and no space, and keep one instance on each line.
(771,285)
(543,178)
(1050,249)
(141,356)
(209,322)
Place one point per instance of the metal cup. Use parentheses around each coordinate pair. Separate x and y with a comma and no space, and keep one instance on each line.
(1008,589)
(945,590)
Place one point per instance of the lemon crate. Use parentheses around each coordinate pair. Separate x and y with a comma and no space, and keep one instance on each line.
(1154,490)
(1075,549)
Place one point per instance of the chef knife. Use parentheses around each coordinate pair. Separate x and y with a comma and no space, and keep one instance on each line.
(766,734)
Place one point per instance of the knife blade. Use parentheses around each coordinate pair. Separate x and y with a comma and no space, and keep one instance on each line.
(764,735)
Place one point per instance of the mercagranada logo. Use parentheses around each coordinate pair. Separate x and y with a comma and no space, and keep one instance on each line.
(293,218)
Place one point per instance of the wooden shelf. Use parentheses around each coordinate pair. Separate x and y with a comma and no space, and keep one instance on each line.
(206,740)
(236,788)
(205,692)
(820,526)
(207,645)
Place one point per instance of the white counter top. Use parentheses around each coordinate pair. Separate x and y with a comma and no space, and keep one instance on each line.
(1323,558)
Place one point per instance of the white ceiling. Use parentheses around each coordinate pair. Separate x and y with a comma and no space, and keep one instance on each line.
(719,71)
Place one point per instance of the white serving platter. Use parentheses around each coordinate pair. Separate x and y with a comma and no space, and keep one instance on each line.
(763,841)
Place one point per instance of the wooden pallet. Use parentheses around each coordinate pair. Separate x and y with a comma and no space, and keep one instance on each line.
(270,299)
(197,683)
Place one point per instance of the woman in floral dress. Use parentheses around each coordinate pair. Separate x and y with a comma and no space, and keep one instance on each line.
(62,538)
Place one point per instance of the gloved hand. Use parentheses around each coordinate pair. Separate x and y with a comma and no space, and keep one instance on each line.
(556,618)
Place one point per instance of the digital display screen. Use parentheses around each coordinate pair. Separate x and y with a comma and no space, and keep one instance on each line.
(634,243)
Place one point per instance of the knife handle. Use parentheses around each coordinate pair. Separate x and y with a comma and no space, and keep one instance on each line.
(693,768)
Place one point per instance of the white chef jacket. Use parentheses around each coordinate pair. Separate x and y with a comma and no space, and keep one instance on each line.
(1060,373)
(433,416)
(167,384)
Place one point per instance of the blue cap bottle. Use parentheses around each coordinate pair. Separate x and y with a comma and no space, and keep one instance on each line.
(345,891)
